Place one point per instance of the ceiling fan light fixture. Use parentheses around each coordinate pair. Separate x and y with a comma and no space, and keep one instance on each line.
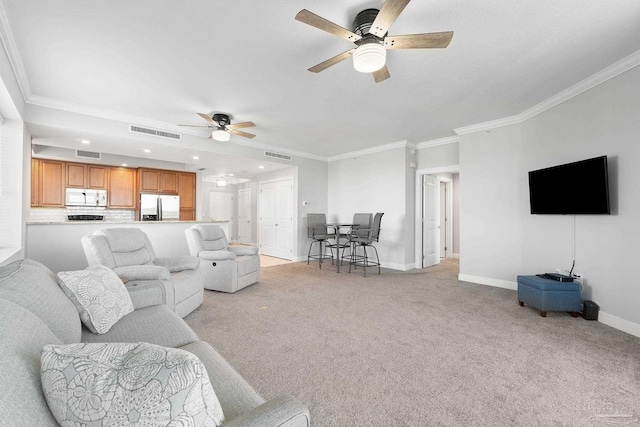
(220,135)
(369,57)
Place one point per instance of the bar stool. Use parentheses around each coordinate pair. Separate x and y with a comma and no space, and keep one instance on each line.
(317,230)
(364,242)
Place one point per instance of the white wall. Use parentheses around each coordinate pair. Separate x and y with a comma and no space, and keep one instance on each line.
(373,183)
(456,214)
(500,238)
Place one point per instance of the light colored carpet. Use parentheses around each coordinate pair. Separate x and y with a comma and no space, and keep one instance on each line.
(420,348)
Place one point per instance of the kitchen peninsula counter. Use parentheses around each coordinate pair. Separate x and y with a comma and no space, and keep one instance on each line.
(57,245)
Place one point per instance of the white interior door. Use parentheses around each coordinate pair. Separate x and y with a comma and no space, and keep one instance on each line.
(276,218)
(430,222)
(244,215)
(221,208)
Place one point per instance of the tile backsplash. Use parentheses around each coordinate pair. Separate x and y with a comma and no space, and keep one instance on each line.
(60,215)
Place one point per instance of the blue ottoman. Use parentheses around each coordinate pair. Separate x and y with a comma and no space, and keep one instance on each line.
(549,295)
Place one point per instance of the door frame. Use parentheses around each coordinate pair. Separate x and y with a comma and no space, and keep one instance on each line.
(245,189)
(449,213)
(294,211)
(419,206)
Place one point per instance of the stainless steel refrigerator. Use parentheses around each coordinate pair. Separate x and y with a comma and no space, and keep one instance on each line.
(159,207)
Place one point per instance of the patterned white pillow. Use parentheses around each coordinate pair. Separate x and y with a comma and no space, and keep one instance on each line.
(99,295)
(127,384)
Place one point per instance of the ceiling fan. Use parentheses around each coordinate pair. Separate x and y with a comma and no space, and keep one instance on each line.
(371,39)
(223,127)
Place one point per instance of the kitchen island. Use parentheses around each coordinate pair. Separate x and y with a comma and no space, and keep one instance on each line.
(57,244)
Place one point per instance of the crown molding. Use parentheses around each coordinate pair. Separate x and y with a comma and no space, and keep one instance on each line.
(372,150)
(590,82)
(484,126)
(10,47)
(436,142)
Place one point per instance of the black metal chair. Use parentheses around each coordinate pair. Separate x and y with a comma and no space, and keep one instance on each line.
(317,230)
(365,239)
(361,222)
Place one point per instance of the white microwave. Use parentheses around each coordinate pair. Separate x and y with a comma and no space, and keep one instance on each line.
(85,197)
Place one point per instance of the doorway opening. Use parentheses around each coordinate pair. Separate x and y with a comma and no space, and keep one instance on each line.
(277,213)
(437,215)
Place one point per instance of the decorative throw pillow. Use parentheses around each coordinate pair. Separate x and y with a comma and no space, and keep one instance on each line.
(127,384)
(99,295)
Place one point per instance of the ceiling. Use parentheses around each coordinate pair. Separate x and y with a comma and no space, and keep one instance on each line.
(163,61)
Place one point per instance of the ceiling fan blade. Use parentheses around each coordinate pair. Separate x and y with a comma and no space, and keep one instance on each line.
(419,41)
(320,23)
(197,126)
(240,133)
(241,125)
(387,16)
(331,61)
(381,75)
(207,118)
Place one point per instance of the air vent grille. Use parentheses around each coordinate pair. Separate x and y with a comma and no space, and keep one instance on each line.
(155,132)
(87,154)
(280,156)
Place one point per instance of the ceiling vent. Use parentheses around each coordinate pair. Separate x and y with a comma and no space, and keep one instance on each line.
(155,132)
(278,156)
(87,154)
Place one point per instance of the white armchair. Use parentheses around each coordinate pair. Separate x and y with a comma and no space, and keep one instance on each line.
(174,281)
(224,268)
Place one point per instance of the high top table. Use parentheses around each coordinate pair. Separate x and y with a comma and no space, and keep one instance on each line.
(336,226)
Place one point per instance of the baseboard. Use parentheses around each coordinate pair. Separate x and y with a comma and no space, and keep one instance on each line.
(605,318)
(620,324)
(456,256)
(496,283)
(396,266)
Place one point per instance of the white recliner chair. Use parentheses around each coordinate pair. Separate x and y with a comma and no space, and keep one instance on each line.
(224,268)
(128,252)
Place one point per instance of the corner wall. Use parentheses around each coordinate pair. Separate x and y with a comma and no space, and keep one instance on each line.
(501,239)
(377,182)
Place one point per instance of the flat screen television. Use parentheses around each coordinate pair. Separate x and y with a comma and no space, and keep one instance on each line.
(578,188)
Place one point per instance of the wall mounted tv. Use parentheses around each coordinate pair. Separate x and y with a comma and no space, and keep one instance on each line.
(579,188)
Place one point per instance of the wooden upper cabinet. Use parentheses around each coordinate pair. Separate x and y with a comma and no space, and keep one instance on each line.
(50,180)
(158,181)
(81,175)
(35,182)
(187,193)
(96,177)
(76,175)
(122,188)
(187,190)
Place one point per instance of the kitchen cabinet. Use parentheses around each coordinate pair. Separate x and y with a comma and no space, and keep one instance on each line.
(96,177)
(187,193)
(48,178)
(158,181)
(81,175)
(121,190)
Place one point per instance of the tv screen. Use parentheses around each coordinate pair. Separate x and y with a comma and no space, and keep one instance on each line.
(571,189)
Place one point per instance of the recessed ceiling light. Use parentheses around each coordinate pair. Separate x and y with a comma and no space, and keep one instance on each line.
(124,164)
(85,141)
(230,174)
(261,167)
(195,157)
(146,150)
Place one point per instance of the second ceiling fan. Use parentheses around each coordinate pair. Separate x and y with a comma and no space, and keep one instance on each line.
(369,34)
(223,127)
